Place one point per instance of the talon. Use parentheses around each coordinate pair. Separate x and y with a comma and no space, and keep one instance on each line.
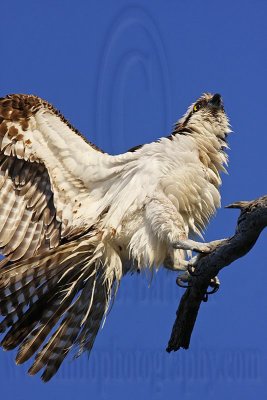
(215,282)
(205,298)
(215,285)
(179,282)
(182,279)
(214,290)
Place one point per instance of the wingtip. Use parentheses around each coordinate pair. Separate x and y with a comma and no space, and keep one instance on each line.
(31,371)
(46,376)
(20,359)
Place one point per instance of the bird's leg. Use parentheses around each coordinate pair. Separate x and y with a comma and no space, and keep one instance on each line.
(167,224)
(175,260)
(168,227)
(199,247)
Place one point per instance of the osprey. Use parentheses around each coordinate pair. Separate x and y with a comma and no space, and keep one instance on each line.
(74,219)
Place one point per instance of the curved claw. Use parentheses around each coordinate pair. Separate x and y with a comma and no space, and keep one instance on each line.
(215,285)
(205,298)
(214,290)
(179,282)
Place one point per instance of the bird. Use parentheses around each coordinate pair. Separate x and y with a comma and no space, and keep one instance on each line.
(74,219)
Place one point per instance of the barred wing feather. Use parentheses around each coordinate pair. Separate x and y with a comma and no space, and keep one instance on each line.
(47,170)
(58,278)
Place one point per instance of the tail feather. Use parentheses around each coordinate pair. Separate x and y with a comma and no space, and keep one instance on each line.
(24,283)
(72,286)
(91,326)
(51,315)
(104,295)
(23,326)
(39,309)
(55,308)
(24,294)
(22,321)
(53,354)
(10,318)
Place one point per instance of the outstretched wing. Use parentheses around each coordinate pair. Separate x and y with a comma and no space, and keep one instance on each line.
(46,172)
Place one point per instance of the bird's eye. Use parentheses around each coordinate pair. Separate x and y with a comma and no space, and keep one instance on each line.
(196,107)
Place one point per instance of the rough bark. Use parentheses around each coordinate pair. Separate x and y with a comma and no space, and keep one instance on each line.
(212,257)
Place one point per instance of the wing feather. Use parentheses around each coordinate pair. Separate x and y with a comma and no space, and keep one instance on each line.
(8,229)
(43,193)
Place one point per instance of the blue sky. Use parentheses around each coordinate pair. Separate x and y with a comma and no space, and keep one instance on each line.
(123,72)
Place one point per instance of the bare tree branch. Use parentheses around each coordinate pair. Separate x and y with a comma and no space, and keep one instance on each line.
(211,259)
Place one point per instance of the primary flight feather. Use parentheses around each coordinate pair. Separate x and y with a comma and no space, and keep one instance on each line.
(74,220)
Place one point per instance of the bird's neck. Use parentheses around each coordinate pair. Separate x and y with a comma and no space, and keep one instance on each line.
(211,148)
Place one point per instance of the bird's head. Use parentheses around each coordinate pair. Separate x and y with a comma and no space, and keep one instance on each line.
(205,116)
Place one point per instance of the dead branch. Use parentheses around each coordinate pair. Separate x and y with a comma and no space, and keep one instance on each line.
(212,257)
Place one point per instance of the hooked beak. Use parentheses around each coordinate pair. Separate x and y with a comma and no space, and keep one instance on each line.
(216,101)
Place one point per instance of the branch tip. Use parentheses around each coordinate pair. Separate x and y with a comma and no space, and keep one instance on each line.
(239,204)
